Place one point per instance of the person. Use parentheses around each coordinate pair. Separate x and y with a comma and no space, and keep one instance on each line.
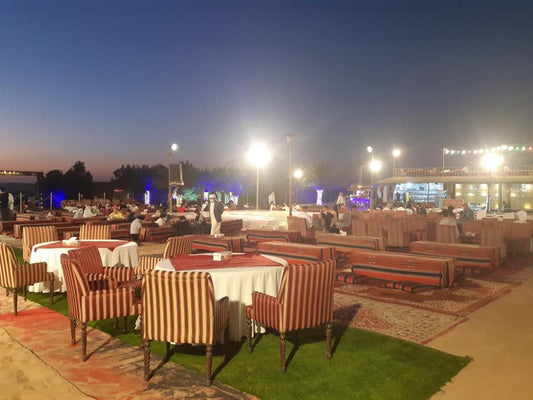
(135,228)
(78,213)
(272,199)
(308,217)
(162,220)
(11,206)
(328,218)
(344,222)
(216,209)
(199,225)
(89,212)
(504,206)
(341,201)
(116,214)
(183,226)
(468,214)
(4,204)
(449,219)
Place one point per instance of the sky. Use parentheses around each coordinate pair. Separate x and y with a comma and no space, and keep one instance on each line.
(115,82)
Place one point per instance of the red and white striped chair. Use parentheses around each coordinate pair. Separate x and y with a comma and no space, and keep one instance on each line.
(32,235)
(146,263)
(86,305)
(180,307)
(95,232)
(178,245)
(14,275)
(305,300)
(91,264)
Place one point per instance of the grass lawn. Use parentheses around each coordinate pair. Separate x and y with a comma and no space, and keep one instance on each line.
(365,365)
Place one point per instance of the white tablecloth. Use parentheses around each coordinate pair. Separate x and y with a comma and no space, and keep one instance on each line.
(238,284)
(126,254)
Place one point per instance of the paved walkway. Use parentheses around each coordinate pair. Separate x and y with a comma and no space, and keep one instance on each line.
(499,337)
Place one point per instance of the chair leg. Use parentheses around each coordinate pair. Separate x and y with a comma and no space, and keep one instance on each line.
(15,299)
(52,292)
(282,349)
(72,331)
(328,338)
(146,350)
(249,334)
(84,341)
(208,362)
(25,292)
(226,342)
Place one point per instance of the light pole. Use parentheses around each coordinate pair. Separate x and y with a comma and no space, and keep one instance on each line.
(375,167)
(171,147)
(395,153)
(290,139)
(258,156)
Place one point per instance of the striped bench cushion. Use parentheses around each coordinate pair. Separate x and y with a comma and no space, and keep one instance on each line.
(296,252)
(347,277)
(409,287)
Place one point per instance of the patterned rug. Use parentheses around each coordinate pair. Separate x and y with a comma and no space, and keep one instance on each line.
(421,317)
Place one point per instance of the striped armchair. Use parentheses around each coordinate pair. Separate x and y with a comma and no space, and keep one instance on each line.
(358,227)
(100,277)
(146,263)
(95,232)
(178,245)
(305,300)
(374,227)
(180,307)
(32,235)
(14,275)
(86,305)
(398,235)
(492,236)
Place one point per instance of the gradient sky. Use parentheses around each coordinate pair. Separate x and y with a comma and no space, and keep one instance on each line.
(114,82)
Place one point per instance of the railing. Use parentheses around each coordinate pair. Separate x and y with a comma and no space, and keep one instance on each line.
(523,170)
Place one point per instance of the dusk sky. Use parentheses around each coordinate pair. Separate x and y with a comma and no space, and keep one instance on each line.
(114,82)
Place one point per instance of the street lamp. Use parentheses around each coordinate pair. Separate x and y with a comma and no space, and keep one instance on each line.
(298,173)
(171,147)
(395,153)
(375,167)
(258,156)
(290,139)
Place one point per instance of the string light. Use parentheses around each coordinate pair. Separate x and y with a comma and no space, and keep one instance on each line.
(501,148)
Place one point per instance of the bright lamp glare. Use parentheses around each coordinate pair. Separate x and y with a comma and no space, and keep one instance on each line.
(375,165)
(491,161)
(369,149)
(396,152)
(173,147)
(298,173)
(258,155)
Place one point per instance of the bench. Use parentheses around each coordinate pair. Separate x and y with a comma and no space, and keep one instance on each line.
(211,244)
(350,243)
(468,257)
(8,227)
(231,227)
(297,253)
(17,228)
(266,235)
(157,234)
(404,267)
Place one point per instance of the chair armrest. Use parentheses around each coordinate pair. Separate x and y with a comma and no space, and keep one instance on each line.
(266,309)
(221,314)
(100,282)
(120,273)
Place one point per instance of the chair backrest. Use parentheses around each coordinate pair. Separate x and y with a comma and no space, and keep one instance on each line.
(8,262)
(147,263)
(472,226)
(76,284)
(178,307)
(95,232)
(32,235)
(374,227)
(446,234)
(88,259)
(492,236)
(178,245)
(398,236)
(300,224)
(306,295)
(358,227)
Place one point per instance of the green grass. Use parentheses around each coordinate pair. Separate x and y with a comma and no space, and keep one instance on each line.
(365,365)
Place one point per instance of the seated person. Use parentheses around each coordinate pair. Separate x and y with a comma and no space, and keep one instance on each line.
(183,226)
(135,228)
(116,214)
(199,225)
(308,217)
(162,220)
(344,221)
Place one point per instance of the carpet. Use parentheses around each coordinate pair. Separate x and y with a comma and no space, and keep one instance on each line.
(114,369)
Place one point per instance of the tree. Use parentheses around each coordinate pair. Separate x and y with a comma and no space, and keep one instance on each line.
(78,180)
(53,182)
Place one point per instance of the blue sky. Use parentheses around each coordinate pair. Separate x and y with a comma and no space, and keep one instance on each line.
(114,82)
